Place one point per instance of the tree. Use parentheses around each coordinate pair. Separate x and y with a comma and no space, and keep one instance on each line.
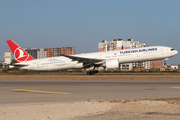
(13,61)
(1,65)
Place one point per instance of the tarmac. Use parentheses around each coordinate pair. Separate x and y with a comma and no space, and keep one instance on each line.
(20,91)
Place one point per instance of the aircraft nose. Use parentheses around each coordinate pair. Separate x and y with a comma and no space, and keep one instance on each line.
(176,52)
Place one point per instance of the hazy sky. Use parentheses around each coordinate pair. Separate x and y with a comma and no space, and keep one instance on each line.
(84,23)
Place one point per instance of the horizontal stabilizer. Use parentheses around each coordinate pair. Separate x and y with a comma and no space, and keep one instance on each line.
(17,65)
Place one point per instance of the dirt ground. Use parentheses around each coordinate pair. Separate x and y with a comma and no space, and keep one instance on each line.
(108,110)
(141,110)
(104,77)
(84,72)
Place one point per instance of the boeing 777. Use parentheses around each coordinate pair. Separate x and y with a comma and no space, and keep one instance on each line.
(108,59)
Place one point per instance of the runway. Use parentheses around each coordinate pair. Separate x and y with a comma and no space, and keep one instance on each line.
(13,91)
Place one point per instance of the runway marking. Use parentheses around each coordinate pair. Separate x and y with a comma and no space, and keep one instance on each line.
(176,87)
(41,91)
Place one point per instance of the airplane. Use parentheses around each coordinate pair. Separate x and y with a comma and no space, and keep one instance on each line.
(108,59)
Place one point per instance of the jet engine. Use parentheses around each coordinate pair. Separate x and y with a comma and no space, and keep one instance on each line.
(112,64)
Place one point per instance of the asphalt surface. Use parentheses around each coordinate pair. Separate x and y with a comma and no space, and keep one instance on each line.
(48,91)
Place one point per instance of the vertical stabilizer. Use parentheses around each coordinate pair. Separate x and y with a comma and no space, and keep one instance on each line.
(19,54)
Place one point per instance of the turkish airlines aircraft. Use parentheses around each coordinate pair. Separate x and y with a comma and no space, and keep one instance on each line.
(109,59)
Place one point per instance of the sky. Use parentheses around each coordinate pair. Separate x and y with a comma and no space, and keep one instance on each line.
(84,23)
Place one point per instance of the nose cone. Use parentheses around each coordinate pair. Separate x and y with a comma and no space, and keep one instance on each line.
(176,52)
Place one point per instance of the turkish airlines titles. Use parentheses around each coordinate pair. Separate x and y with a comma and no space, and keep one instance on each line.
(140,50)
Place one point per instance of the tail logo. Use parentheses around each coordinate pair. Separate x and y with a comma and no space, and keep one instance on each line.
(20,55)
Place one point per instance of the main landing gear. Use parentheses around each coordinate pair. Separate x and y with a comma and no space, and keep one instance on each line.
(91,72)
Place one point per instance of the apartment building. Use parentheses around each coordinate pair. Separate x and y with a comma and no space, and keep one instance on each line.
(32,51)
(53,52)
(49,52)
(41,53)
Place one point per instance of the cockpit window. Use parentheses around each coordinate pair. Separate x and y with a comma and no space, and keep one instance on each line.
(172,49)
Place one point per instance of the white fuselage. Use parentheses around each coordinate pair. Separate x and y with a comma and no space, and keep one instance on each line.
(124,56)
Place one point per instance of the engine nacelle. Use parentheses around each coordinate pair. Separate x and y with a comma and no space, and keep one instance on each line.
(112,64)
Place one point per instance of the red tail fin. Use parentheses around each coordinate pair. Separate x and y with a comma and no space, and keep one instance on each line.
(19,54)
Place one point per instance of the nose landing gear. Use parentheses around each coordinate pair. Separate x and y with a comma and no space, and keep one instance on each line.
(91,72)
(165,60)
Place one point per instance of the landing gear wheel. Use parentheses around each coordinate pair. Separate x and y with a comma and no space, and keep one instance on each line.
(92,72)
(96,71)
(165,64)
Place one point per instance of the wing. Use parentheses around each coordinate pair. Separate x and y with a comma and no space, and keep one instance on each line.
(85,61)
(18,65)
